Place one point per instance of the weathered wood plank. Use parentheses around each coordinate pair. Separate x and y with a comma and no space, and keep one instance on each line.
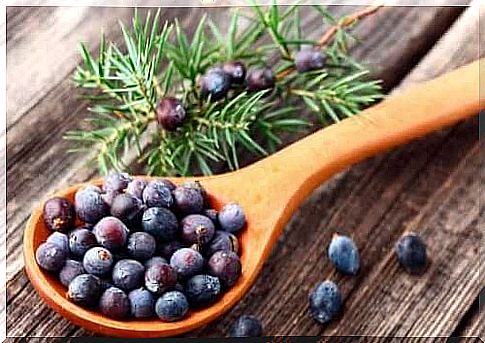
(473,324)
(38,164)
(45,40)
(450,52)
(377,197)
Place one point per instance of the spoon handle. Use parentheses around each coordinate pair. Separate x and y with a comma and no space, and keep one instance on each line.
(291,174)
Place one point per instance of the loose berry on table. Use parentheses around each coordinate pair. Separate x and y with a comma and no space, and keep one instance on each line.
(343,253)
(325,301)
(247,326)
(411,252)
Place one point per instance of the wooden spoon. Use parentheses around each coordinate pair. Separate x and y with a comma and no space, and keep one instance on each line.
(271,189)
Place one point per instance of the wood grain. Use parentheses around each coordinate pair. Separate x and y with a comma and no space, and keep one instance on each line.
(375,202)
(33,55)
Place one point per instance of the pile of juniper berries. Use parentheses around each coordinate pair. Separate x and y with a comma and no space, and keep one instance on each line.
(144,248)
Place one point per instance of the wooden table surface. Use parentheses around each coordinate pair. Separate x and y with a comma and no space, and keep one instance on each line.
(430,186)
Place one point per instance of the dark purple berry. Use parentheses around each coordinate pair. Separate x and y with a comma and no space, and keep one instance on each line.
(308,59)
(226,266)
(197,229)
(160,223)
(188,199)
(247,326)
(154,260)
(70,270)
(343,253)
(84,290)
(59,214)
(80,241)
(259,79)
(98,261)
(325,302)
(236,71)
(114,303)
(187,262)
(197,185)
(116,182)
(127,208)
(136,188)
(211,214)
(202,289)
(142,303)
(411,253)
(170,113)
(169,184)
(171,306)
(157,194)
(167,249)
(141,245)
(50,256)
(59,239)
(128,274)
(160,277)
(222,240)
(90,206)
(111,233)
(215,83)
(110,196)
(232,218)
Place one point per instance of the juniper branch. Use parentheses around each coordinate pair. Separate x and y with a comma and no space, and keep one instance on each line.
(125,83)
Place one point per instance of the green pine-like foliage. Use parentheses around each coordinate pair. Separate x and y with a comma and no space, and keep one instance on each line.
(124,84)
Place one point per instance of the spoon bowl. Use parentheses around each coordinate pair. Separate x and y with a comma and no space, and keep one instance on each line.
(271,189)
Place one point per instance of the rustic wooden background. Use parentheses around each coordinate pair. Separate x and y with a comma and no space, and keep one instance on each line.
(430,186)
